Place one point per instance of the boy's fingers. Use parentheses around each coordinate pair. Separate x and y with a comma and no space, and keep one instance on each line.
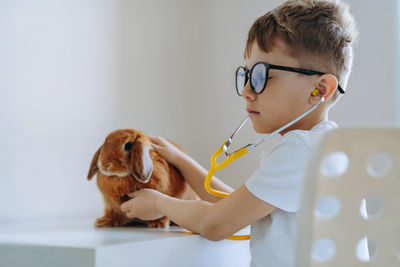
(123,207)
(155,140)
(158,141)
(156,147)
(133,194)
(130,215)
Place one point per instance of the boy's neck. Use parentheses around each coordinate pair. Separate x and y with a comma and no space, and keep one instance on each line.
(307,124)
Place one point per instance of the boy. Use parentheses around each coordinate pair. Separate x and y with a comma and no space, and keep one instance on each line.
(300,35)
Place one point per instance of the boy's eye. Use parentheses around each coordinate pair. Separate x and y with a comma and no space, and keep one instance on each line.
(128,146)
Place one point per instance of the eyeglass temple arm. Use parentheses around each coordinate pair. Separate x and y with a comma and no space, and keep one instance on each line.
(303,71)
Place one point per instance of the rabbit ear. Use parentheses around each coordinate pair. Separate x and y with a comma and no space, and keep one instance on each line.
(93,166)
(147,164)
(141,162)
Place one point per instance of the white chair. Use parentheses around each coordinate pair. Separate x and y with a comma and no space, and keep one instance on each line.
(350,209)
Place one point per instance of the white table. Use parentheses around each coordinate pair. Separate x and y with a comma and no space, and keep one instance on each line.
(78,243)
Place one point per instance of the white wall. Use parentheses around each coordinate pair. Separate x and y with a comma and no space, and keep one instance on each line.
(58,99)
(373,87)
(73,71)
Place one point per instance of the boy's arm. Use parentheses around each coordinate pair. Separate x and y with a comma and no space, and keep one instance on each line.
(193,172)
(195,175)
(213,221)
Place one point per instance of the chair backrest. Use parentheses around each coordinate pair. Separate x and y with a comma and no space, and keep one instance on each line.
(350,209)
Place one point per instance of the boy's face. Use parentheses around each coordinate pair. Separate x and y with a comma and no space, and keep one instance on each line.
(286,96)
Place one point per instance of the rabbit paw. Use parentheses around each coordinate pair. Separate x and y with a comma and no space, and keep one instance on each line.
(106,222)
(161,223)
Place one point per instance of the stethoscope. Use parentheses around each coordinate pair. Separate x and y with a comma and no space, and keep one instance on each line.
(241,152)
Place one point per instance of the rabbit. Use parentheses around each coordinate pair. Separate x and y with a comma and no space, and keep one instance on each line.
(126,163)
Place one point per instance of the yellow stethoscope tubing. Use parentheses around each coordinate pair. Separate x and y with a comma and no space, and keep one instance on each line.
(217,166)
(239,153)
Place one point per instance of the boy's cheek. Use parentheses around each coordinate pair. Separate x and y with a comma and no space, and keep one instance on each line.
(260,126)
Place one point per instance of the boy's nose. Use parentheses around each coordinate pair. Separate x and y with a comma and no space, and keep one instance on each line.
(247,93)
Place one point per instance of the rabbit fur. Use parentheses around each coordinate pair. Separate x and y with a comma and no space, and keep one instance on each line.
(126,163)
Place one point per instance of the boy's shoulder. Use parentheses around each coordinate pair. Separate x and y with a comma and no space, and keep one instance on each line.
(309,137)
(297,144)
(279,178)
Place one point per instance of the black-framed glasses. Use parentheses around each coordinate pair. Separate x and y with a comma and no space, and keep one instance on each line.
(259,76)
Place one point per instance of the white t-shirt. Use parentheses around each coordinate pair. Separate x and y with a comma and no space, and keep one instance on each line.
(278,182)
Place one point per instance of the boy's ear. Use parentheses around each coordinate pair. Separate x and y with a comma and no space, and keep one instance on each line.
(327,85)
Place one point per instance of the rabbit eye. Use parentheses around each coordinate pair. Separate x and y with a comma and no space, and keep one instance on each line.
(128,146)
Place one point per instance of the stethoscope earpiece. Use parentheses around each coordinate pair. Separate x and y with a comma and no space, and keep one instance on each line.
(315,92)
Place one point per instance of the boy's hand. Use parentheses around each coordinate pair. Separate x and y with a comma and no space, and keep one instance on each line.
(167,150)
(143,205)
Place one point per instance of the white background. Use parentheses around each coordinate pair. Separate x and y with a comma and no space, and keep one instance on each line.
(73,71)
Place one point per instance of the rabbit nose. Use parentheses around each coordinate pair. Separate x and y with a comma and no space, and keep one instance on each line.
(107,166)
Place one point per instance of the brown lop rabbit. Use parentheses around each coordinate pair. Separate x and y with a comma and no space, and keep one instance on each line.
(126,163)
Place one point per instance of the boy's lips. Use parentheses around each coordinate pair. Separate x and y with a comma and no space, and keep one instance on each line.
(252,112)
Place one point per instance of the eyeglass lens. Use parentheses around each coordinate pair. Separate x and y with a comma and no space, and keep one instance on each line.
(258,78)
(241,80)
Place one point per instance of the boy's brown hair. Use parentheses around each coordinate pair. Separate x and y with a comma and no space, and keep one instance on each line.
(319,33)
